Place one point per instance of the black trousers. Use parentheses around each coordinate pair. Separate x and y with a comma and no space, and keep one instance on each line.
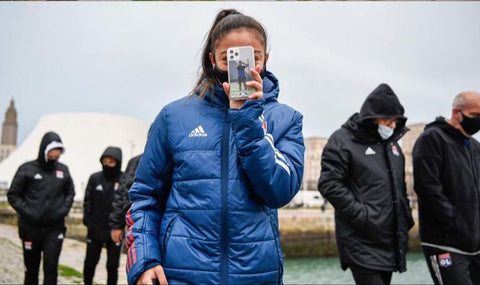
(365,276)
(452,268)
(94,249)
(50,243)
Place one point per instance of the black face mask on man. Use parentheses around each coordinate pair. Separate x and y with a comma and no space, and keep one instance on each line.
(51,163)
(109,171)
(470,125)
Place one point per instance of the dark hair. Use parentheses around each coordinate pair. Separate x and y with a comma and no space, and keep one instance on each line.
(226,21)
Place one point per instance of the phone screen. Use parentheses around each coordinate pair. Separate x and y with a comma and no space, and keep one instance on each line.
(240,61)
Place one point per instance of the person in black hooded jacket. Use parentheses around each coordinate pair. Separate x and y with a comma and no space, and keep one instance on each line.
(446,169)
(42,193)
(363,178)
(120,202)
(97,206)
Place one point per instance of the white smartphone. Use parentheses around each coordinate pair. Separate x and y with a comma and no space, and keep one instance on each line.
(240,60)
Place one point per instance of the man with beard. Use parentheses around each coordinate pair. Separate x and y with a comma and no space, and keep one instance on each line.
(97,207)
(446,169)
(42,193)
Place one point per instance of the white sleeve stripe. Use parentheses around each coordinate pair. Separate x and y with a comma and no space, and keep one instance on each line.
(283,165)
(279,158)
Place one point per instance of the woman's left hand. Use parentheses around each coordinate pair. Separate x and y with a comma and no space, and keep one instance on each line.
(257,84)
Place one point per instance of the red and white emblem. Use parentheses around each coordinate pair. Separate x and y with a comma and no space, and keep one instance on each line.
(395,150)
(60,174)
(445,260)
(264,126)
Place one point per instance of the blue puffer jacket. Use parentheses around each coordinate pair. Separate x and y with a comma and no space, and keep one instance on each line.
(207,188)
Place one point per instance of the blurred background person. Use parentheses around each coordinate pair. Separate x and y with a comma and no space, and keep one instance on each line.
(42,194)
(97,207)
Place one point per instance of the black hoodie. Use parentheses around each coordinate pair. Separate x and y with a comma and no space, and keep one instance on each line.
(363,178)
(99,197)
(120,203)
(42,193)
(446,168)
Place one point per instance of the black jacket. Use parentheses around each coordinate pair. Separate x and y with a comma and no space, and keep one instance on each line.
(99,194)
(363,178)
(121,203)
(42,194)
(446,168)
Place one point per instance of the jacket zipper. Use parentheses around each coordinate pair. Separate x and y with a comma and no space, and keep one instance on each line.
(469,155)
(395,201)
(224,193)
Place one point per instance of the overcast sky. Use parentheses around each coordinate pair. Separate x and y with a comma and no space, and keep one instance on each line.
(132,58)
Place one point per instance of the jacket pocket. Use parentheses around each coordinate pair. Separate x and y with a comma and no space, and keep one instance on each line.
(166,237)
(278,252)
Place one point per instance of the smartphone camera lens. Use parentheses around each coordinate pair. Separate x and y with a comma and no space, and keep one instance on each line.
(236,54)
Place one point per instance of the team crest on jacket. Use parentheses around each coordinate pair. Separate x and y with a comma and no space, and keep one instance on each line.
(115,186)
(264,123)
(27,245)
(395,150)
(60,174)
(444,260)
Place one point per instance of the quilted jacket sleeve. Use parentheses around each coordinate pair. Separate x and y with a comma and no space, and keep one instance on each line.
(16,195)
(148,196)
(274,166)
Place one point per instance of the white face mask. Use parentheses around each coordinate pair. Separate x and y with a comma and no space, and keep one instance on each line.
(385,132)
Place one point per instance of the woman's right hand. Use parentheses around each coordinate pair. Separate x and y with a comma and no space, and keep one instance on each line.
(155,272)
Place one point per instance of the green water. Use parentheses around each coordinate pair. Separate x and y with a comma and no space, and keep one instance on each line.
(328,271)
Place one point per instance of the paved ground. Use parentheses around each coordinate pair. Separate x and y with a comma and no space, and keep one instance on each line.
(73,254)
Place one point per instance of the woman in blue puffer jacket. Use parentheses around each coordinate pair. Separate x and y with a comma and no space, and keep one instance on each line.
(213,174)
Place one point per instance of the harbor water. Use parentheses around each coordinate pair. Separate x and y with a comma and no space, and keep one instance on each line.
(328,271)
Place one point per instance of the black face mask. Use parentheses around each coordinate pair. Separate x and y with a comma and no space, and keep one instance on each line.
(51,163)
(109,171)
(222,76)
(470,125)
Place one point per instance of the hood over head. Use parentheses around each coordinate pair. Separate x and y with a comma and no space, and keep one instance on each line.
(115,153)
(50,140)
(381,103)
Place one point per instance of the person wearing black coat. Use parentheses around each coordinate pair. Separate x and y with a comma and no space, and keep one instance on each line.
(121,203)
(446,169)
(42,194)
(363,177)
(97,207)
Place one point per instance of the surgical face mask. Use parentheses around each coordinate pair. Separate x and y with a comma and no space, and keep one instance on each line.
(385,132)
(470,125)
